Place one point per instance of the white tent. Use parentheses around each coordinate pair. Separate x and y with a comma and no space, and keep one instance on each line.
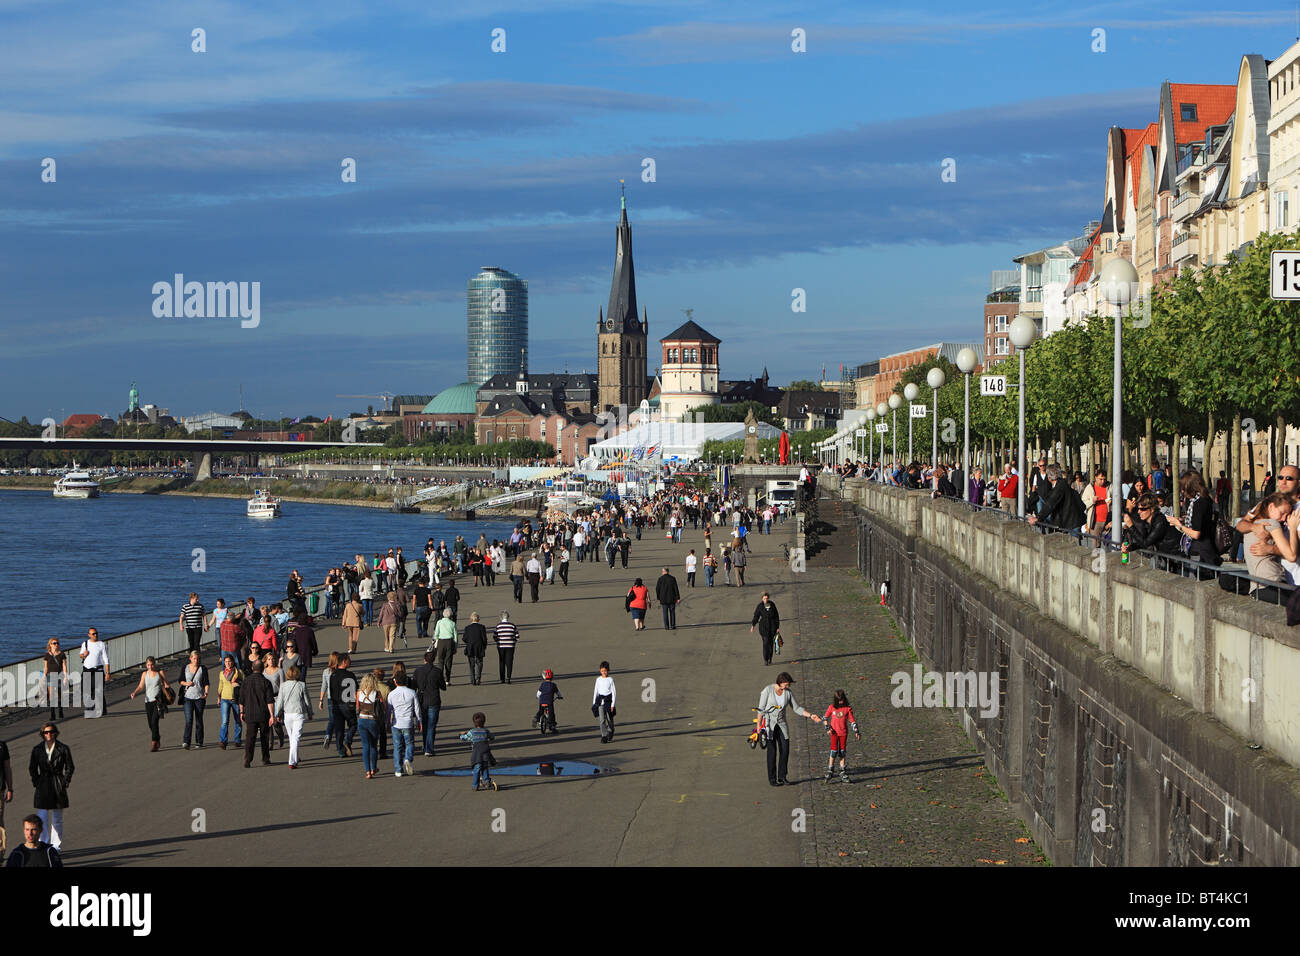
(666,440)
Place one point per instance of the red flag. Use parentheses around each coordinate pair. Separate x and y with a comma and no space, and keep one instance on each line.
(327,419)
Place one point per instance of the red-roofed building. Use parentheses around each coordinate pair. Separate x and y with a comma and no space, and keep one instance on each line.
(1187,112)
(75,425)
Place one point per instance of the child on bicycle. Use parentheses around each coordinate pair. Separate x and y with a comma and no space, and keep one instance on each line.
(548,692)
(480,739)
(839,719)
(603,701)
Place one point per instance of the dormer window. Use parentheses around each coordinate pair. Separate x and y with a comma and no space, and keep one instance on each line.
(1187,112)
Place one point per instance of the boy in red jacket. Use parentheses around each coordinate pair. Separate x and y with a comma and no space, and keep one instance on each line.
(839,719)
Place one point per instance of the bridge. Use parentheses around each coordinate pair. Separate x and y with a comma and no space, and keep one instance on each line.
(200,450)
(432,493)
(515,496)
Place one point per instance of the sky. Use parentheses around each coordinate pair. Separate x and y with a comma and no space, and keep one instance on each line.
(774,170)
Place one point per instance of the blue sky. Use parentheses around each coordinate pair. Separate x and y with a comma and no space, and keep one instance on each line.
(774,170)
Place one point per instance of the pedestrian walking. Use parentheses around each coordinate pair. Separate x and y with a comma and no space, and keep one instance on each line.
(739,561)
(353,623)
(768,621)
(517,577)
(343,698)
(668,596)
(691,562)
(444,642)
(55,677)
(192,614)
(533,570)
(389,621)
(475,644)
(229,682)
(480,740)
(710,561)
(506,636)
(274,675)
(51,770)
(637,603)
(564,565)
(96,672)
(429,685)
(293,707)
(775,702)
(404,719)
(366,591)
(257,713)
(153,683)
(368,708)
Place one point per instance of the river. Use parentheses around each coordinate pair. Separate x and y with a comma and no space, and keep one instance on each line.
(123,561)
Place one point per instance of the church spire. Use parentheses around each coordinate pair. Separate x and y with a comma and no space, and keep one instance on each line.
(622,291)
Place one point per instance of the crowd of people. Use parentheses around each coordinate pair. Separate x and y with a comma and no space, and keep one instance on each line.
(1193,535)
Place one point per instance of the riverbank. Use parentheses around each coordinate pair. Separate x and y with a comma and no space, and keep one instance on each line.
(355,494)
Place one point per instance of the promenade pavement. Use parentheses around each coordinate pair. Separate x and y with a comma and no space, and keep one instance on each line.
(682,787)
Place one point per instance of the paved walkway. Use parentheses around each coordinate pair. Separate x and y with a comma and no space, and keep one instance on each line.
(687,789)
(684,787)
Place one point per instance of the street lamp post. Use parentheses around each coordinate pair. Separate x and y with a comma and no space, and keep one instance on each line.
(895,400)
(966,361)
(865,422)
(881,409)
(935,379)
(910,391)
(1118,280)
(1021,333)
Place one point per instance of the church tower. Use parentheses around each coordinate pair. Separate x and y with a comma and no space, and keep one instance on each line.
(620,335)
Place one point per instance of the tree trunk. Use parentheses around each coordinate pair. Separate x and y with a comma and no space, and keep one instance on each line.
(1148,461)
(1207,458)
(1235,475)
(1092,458)
(1279,444)
(1173,467)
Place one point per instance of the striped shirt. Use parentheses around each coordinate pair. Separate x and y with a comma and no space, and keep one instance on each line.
(192,615)
(506,635)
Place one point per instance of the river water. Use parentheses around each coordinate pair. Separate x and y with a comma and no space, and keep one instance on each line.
(123,562)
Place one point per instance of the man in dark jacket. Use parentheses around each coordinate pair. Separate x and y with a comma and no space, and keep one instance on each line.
(429,685)
(32,852)
(668,595)
(452,597)
(474,643)
(768,620)
(257,711)
(51,769)
(1061,506)
(343,698)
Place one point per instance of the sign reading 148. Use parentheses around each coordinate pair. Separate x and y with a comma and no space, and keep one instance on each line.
(993,384)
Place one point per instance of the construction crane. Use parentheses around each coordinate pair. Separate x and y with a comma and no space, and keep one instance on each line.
(386,396)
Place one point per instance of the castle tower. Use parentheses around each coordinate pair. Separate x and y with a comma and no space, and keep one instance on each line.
(620,335)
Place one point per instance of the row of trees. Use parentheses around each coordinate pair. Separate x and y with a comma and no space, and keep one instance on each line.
(1217,356)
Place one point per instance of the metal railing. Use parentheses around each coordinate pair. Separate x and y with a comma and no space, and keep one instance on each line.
(1157,560)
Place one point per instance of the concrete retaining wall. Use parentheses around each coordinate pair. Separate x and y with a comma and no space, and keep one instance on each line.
(1145,719)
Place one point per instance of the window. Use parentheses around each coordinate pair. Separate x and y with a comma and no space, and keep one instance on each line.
(1002,347)
(1001,325)
(1281,209)
(1187,111)
(672,356)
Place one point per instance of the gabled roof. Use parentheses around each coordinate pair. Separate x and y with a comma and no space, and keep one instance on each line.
(1215,102)
(690,332)
(1133,155)
(1081,272)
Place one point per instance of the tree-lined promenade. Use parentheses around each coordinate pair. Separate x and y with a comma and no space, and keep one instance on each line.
(1211,356)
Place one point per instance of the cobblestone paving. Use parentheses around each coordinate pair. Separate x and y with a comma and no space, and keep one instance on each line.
(920,794)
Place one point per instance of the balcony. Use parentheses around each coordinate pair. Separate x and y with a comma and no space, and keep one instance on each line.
(1186,204)
(1192,156)
(1186,250)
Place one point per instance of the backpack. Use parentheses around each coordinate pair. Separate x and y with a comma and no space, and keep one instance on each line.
(1223,533)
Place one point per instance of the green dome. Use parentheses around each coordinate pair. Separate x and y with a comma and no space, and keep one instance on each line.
(457,400)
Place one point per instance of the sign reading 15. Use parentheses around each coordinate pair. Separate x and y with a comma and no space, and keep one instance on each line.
(1284,274)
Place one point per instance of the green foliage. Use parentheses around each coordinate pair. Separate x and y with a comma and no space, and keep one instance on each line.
(732,413)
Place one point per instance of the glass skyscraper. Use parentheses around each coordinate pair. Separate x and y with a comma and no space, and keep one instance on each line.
(498,324)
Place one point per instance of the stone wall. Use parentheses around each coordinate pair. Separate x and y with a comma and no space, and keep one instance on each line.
(1144,718)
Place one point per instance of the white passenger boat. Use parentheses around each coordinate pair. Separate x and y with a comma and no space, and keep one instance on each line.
(263,505)
(76,484)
